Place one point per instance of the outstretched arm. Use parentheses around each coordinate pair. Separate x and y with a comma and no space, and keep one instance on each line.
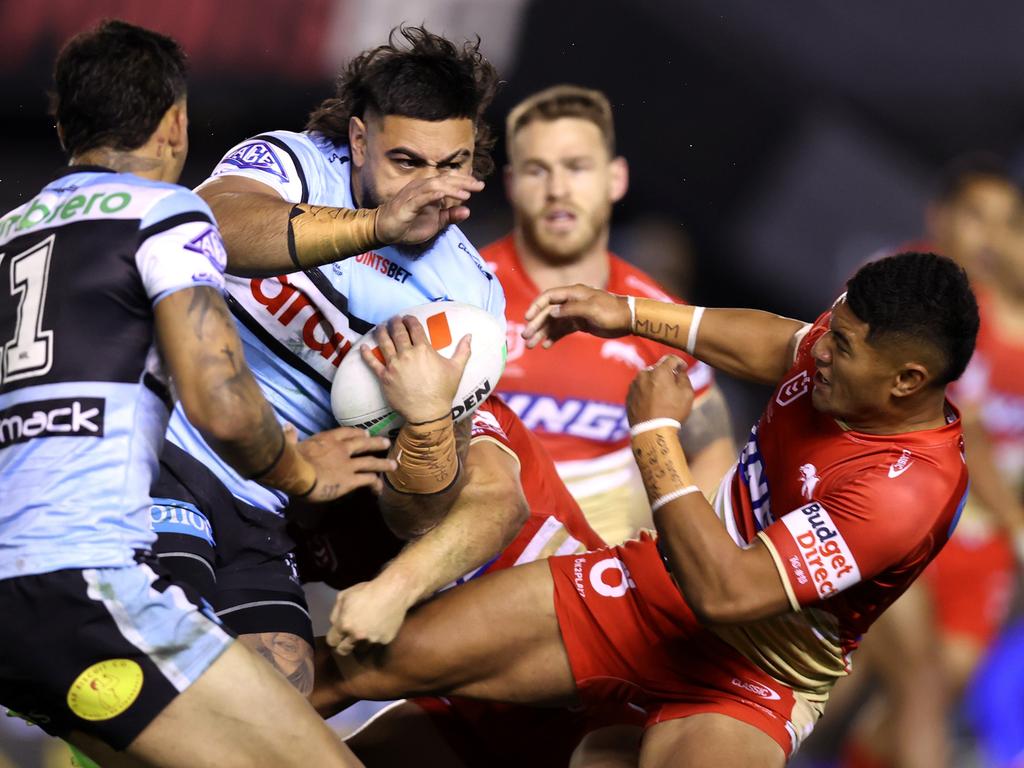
(746,343)
(266,235)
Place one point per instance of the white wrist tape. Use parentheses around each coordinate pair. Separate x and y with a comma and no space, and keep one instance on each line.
(691,339)
(631,301)
(676,494)
(647,426)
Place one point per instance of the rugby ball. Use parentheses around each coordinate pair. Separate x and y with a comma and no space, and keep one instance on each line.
(356,396)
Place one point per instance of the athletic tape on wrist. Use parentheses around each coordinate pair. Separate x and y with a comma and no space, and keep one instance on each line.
(691,339)
(647,426)
(631,302)
(669,497)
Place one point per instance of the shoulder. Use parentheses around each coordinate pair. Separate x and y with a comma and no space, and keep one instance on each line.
(170,204)
(477,283)
(627,279)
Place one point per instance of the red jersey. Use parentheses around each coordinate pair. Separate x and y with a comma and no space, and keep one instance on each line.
(851,519)
(993,384)
(573,396)
(556,525)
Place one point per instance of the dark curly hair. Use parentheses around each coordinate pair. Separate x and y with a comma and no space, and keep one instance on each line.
(919,296)
(113,85)
(419,75)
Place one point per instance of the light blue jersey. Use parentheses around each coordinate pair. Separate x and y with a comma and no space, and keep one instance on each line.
(83,398)
(296,328)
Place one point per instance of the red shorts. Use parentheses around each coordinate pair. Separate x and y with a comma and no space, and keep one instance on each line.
(971,582)
(632,638)
(511,735)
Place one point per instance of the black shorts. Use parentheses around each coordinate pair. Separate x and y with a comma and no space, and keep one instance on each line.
(102,651)
(237,556)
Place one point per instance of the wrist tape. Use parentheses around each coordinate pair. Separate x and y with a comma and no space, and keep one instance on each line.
(320,235)
(427,458)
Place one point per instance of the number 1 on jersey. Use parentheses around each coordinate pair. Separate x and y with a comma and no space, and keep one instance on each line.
(30,352)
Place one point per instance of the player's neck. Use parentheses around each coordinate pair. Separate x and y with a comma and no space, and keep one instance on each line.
(122,162)
(929,412)
(590,268)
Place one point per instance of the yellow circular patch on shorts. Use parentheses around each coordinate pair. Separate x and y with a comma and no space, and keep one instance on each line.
(106,689)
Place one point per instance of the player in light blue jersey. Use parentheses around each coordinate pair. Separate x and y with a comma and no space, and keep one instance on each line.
(110,290)
(306,217)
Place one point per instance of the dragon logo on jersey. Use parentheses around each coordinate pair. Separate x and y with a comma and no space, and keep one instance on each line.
(809,480)
(211,246)
(793,388)
(257,156)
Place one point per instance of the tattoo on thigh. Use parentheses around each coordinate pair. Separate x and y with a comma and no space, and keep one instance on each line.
(289,654)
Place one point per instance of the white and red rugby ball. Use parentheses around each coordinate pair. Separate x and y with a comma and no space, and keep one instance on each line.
(356,396)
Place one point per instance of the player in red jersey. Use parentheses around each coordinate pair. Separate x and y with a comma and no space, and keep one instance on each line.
(730,628)
(943,626)
(562,180)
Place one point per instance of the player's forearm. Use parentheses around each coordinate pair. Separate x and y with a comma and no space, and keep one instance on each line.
(746,343)
(702,558)
(265,235)
(481,523)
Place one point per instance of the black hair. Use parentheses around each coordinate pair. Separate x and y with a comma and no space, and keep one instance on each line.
(426,78)
(920,296)
(113,85)
(964,170)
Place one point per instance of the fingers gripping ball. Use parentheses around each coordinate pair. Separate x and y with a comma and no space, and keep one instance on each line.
(356,395)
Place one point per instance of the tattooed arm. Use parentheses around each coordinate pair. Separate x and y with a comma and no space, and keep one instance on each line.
(707,441)
(287,653)
(198,341)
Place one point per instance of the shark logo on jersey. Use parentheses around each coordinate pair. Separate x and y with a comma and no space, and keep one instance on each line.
(257,156)
(624,353)
(211,246)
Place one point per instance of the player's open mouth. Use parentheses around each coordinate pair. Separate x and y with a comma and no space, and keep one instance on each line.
(560,219)
(819,380)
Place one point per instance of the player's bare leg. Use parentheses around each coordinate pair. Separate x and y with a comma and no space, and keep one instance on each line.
(240,712)
(494,638)
(614,746)
(709,741)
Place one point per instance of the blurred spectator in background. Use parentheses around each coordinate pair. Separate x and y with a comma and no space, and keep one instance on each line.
(927,647)
(562,179)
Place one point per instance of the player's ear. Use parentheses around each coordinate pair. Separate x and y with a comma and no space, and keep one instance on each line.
(910,379)
(619,178)
(177,126)
(357,140)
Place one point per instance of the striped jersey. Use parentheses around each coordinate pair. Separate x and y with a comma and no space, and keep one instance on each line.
(296,328)
(83,397)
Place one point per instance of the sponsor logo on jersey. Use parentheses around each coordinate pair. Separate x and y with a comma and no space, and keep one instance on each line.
(624,353)
(38,212)
(589,419)
(829,563)
(753,477)
(610,578)
(211,246)
(808,480)
(64,417)
(288,305)
(257,156)
(384,266)
(177,516)
(793,388)
(901,465)
(757,689)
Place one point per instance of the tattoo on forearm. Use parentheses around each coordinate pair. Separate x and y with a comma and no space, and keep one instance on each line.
(657,330)
(708,422)
(289,654)
(657,468)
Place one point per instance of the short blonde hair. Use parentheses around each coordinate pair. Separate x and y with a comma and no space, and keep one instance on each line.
(564,101)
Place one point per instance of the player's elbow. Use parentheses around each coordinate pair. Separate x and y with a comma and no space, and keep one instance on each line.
(225,418)
(723,603)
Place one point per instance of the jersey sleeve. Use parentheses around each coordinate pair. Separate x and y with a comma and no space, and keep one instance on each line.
(179,246)
(850,535)
(284,161)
